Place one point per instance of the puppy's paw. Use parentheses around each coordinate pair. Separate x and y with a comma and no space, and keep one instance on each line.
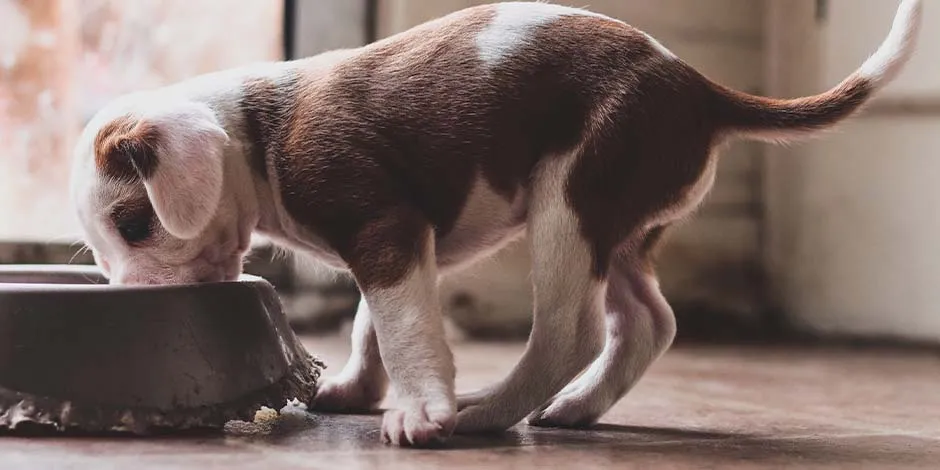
(574,409)
(419,424)
(339,395)
(487,415)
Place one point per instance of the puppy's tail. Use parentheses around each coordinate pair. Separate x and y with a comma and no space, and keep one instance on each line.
(781,120)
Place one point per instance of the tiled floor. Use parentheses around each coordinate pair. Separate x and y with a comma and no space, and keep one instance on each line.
(699,407)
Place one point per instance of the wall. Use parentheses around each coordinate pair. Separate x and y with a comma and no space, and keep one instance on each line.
(713,260)
(852,218)
(323,25)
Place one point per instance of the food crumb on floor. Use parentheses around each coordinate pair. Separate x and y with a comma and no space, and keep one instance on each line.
(268,420)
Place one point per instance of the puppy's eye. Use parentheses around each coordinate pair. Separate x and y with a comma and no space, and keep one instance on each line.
(135,230)
(134,221)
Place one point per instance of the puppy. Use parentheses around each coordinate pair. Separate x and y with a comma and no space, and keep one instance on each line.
(419,154)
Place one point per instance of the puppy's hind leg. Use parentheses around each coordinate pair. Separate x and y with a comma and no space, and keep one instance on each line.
(361,385)
(640,327)
(567,331)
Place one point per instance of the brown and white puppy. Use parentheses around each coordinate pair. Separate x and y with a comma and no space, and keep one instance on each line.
(421,153)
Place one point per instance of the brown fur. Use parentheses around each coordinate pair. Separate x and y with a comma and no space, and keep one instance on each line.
(744,113)
(125,149)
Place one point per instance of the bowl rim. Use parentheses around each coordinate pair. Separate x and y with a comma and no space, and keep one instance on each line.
(78,269)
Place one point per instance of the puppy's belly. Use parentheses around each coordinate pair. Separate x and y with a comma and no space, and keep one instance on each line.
(487,222)
(459,250)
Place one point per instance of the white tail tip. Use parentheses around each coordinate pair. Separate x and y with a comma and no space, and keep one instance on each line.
(897,48)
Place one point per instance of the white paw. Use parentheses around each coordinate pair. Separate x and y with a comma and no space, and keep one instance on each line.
(419,424)
(338,395)
(488,414)
(568,410)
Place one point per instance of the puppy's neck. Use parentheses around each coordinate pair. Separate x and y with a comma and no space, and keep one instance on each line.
(253,104)
(257,104)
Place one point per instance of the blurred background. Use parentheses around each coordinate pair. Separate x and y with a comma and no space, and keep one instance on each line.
(828,240)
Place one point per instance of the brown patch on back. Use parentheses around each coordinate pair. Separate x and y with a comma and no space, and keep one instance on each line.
(126,149)
(649,135)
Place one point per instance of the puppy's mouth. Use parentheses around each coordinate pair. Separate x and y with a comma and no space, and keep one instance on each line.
(225,272)
(217,276)
(202,273)
(214,265)
(209,278)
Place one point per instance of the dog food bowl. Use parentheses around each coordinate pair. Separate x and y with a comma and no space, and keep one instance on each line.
(79,354)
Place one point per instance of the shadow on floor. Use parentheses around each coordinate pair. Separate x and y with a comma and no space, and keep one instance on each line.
(618,443)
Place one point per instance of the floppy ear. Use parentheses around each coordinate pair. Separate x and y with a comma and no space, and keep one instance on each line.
(177,152)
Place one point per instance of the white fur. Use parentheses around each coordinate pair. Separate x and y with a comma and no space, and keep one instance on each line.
(410,332)
(660,47)
(512,27)
(884,65)
(640,327)
(363,381)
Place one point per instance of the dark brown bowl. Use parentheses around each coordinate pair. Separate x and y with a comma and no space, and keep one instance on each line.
(78,353)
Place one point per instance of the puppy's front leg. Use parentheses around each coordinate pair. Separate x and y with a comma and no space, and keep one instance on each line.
(398,278)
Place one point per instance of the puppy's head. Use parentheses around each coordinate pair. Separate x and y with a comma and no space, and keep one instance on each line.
(147,182)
